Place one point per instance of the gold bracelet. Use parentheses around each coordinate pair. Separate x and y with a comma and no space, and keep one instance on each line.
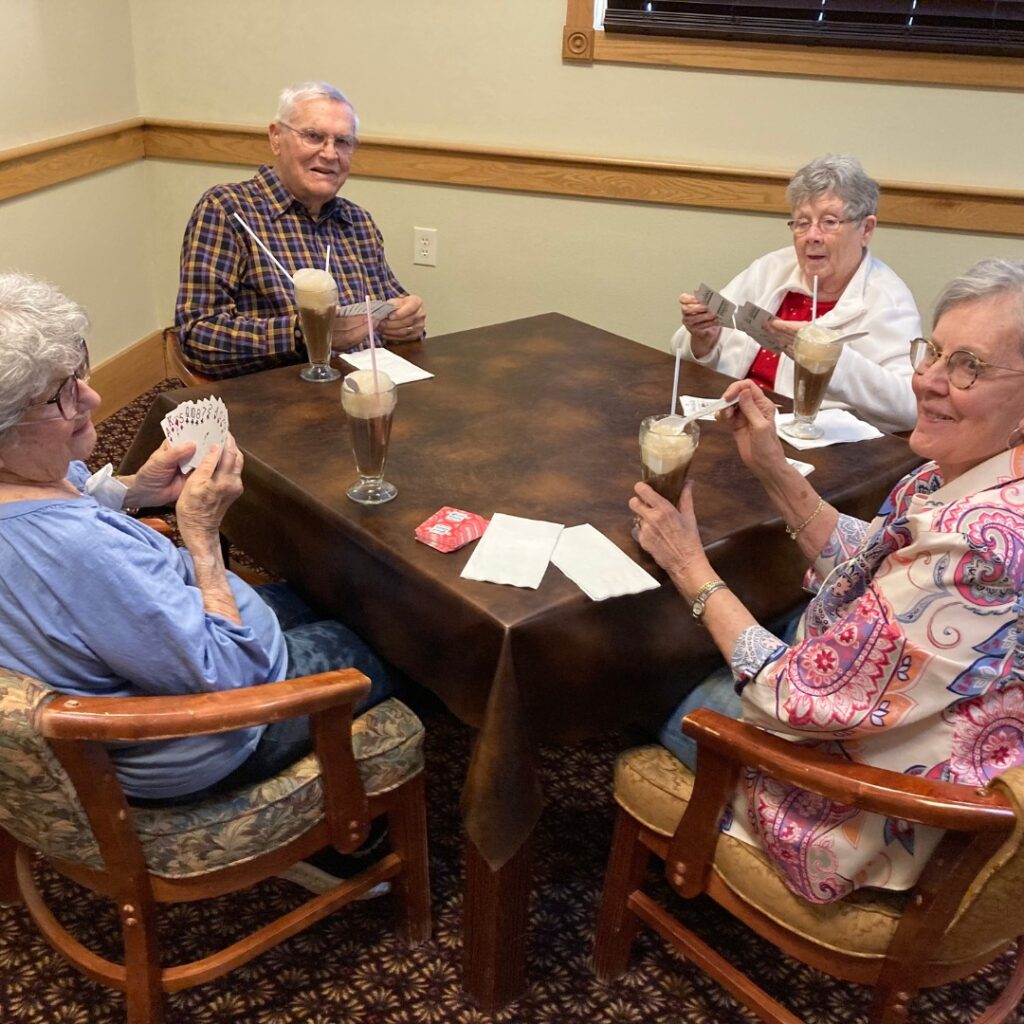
(701,600)
(794,531)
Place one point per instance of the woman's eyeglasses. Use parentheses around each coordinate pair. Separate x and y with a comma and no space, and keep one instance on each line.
(827,225)
(66,395)
(962,367)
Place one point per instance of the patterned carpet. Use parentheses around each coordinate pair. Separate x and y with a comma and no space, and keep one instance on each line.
(350,970)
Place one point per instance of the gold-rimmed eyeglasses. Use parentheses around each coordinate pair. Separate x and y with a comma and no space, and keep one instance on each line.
(962,367)
(313,139)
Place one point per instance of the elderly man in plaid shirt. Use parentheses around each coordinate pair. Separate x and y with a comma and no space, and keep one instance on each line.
(236,311)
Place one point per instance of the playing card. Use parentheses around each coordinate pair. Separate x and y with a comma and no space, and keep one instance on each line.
(204,421)
(754,320)
(722,308)
(379,309)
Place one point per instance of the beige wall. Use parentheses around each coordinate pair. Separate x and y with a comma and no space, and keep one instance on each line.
(440,70)
(65,67)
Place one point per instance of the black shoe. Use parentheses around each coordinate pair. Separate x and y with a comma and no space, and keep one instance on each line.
(327,868)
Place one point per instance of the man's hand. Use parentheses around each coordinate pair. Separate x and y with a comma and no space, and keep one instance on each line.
(407,322)
(159,481)
(348,332)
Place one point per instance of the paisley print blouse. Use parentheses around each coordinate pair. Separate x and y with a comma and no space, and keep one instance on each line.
(907,658)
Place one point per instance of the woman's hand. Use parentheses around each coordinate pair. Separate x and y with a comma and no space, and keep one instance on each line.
(700,322)
(784,333)
(752,422)
(159,481)
(670,536)
(209,491)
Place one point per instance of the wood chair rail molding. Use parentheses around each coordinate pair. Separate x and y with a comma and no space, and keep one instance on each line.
(581,42)
(942,207)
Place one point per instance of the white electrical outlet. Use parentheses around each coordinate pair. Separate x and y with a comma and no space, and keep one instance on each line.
(424,246)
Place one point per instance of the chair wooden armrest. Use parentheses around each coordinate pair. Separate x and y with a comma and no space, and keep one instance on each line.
(912,798)
(108,719)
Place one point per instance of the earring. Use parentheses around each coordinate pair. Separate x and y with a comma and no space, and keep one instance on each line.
(1017,432)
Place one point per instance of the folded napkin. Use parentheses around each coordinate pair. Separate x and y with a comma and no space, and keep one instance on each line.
(514,551)
(400,370)
(597,566)
(838,424)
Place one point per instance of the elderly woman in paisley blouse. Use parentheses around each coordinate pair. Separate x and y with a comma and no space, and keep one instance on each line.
(907,656)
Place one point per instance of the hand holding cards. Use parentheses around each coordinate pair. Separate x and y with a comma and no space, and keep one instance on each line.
(205,422)
(750,319)
(379,309)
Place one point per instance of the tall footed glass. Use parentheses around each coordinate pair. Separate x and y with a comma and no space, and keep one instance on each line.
(316,295)
(815,355)
(368,401)
(667,446)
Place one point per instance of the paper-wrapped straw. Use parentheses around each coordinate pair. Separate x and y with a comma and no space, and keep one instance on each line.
(814,300)
(675,383)
(273,259)
(373,346)
(327,261)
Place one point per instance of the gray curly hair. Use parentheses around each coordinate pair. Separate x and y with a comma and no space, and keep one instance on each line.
(988,278)
(842,175)
(292,95)
(41,332)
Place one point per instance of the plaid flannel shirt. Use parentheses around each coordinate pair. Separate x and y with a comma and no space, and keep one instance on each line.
(236,312)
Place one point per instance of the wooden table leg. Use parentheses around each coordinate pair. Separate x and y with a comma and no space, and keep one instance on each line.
(495,918)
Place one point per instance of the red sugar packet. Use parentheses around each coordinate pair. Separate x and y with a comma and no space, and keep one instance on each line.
(449,528)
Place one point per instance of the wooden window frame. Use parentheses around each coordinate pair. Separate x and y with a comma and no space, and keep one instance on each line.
(584,42)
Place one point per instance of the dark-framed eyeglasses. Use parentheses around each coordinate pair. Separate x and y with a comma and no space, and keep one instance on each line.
(962,367)
(66,395)
(827,225)
(314,140)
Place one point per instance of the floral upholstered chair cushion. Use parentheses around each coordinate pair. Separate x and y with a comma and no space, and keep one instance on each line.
(39,807)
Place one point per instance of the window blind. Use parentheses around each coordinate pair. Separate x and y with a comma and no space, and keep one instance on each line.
(994,27)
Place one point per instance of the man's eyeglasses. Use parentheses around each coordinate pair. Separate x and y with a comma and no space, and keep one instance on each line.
(962,367)
(316,140)
(827,225)
(66,395)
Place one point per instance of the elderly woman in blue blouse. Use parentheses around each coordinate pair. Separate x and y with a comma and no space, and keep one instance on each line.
(907,656)
(97,603)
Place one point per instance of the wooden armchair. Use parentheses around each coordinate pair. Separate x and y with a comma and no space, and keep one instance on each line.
(964,911)
(60,798)
(175,365)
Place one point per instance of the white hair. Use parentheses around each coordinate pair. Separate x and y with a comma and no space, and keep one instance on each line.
(841,175)
(989,278)
(41,333)
(292,95)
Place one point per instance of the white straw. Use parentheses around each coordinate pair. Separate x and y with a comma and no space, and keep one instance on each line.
(373,347)
(271,256)
(327,262)
(814,300)
(675,383)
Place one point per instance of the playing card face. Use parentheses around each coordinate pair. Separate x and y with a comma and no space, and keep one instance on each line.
(754,320)
(204,421)
(379,309)
(719,305)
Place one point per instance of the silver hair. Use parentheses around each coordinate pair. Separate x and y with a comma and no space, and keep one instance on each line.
(842,175)
(40,340)
(292,95)
(991,277)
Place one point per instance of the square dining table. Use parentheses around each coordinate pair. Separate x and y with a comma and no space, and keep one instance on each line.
(537,418)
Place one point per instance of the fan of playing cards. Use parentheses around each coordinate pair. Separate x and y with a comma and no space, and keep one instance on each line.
(205,422)
(750,319)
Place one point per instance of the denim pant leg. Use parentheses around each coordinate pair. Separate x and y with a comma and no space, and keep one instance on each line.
(288,608)
(718,692)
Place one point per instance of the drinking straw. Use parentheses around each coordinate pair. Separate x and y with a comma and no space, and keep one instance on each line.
(273,258)
(675,383)
(373,346)
(327,262)
(814,300)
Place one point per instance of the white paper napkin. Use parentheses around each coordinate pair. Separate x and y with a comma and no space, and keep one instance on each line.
(597,566)
(514,551)
(839,425)
(400,370)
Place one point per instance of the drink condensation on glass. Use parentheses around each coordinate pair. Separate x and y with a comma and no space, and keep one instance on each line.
(316,295)
(368,401)
(667,446)
(815,356)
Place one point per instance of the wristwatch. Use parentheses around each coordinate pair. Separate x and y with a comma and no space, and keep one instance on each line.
(701,600)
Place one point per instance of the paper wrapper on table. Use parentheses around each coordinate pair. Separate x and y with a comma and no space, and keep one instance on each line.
(448,529)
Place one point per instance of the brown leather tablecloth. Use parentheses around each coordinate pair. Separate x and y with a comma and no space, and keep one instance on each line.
(536,418)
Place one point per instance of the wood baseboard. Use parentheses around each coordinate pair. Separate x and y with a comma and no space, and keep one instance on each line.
(123,377)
